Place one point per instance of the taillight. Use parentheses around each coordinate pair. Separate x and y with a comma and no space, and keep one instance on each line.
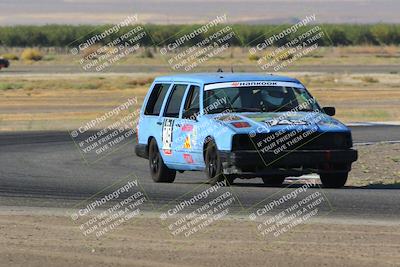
(240,124)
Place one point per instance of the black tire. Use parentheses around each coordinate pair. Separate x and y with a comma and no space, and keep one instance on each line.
(230,179)
(158,170)
(273,181)
(213,164)
(334,180)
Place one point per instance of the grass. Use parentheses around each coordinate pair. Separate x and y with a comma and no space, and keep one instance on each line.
(10,56)
(350,55)
(368,79)
(90,86)
(10,86)
(366,114)
(395,159)
(64,101)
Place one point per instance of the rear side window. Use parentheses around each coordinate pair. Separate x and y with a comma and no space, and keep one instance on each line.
(175,100)
(156,99)
(191,106)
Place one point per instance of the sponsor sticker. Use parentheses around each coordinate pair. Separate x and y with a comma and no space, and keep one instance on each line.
(167,152)
(187,128)
(252,84)
(188,158)
(275,122)
(187,143)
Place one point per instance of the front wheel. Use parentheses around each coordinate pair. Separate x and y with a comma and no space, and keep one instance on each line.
(214,165)
(273,181)
(334,180)
(158,170)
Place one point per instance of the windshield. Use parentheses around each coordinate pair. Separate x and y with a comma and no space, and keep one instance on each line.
(259,99)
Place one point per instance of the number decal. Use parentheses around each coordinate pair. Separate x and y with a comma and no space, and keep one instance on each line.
(167,131)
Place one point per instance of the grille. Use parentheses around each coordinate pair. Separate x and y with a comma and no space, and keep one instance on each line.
(292,140)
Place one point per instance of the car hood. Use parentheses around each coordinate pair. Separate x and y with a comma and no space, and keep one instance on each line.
(275,121)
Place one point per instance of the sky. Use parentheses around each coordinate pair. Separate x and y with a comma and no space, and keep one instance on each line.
(38,12)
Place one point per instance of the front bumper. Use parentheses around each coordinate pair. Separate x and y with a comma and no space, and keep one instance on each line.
(297,162)
(141,150)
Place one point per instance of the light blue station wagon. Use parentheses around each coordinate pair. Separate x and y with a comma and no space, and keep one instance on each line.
(240,125)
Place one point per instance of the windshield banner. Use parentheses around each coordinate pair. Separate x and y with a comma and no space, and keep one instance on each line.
(252,84)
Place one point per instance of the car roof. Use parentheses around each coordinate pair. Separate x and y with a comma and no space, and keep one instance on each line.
(217,77)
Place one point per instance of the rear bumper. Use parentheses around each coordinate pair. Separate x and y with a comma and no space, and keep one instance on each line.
(297,162)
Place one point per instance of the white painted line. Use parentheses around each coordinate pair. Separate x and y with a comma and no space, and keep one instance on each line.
(380,142)
(359,124)
(374,123)
(304,177)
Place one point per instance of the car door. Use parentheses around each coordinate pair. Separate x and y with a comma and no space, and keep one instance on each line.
(151,121)
(170,123)
(185,141)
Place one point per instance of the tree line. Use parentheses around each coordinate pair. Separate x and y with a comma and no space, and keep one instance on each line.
(160,35)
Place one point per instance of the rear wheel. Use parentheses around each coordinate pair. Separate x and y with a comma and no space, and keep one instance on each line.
(273,181)
(334,180)
(158,170)
(214,165)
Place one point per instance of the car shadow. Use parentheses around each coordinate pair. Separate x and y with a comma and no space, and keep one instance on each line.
(376,186)
(291,183)
(284,185)
(393,186)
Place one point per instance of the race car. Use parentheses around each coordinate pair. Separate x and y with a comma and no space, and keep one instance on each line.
(245,126)
(4,63)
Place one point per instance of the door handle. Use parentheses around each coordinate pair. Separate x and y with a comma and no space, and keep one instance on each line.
(178,125)
(159,122)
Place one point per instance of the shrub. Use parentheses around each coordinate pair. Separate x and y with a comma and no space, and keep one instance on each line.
(31,54)
(147,53)
(10,56)
(93,52)
(368,79)
(90,86)
(49,58)
(65,35)
(253,57)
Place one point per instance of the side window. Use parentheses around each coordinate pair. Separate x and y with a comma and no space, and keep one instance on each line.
(191,107)
(175,100)
(156,99)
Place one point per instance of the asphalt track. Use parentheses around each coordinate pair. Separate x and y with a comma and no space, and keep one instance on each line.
(44,169)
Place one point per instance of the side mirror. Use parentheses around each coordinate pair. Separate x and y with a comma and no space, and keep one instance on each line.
(331,111)
(190,114)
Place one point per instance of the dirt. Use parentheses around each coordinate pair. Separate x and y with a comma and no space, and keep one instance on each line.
(377,165)
(42,240)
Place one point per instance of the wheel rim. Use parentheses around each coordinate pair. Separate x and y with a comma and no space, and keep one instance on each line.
(212,163)
(154,160)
